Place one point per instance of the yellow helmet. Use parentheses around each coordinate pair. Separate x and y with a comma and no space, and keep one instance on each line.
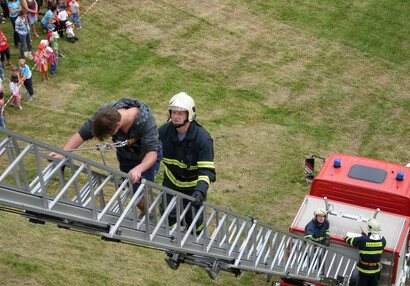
(320,211)
(373,226)
(183,102)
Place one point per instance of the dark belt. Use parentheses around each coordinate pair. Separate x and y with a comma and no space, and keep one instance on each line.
(370,263)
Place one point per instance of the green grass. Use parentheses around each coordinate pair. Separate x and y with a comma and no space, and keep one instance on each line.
(274,82)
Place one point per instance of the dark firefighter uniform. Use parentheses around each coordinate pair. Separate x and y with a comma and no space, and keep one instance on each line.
(317,232)
(370,252)
(189,164)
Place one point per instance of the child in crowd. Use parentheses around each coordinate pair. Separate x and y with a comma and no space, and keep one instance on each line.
(25,74)
(14,89)
(2,123)
(71,37)
(52,59)
(50,31)
(45,43)
(75,13)
(4,50)
(62,17)
(41,59)
(15,70)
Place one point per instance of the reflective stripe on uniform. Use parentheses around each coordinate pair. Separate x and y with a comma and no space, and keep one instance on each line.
(206,164)
(315,239)
(199,228)
(179,183)
(204,178)
(371,251)
(179,164)
(368,271)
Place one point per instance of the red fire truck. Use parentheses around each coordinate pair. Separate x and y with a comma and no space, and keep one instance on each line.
(353,190)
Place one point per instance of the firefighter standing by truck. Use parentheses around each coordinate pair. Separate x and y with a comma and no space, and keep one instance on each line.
(317,229)
(188,156)
(371,247)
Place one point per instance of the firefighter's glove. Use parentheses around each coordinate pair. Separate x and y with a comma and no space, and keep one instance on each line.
(198,198)
(326,242)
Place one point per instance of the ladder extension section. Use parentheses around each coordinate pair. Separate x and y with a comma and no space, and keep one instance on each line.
(82,194)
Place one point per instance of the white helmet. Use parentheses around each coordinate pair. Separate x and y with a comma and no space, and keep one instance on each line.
(183,102)
(320,211)
(373,226)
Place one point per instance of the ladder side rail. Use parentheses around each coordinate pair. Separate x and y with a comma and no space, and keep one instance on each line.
(243,245)
(113,197)
(68,185)
(41,180)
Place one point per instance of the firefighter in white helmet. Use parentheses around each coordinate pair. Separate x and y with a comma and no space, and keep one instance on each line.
(371,247)
(188,155)
(317,229)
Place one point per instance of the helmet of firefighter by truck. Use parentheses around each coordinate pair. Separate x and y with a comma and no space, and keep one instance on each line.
(373,226)
(182,102)
(320,212)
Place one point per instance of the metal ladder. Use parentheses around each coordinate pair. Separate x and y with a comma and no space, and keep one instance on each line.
(82,194)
